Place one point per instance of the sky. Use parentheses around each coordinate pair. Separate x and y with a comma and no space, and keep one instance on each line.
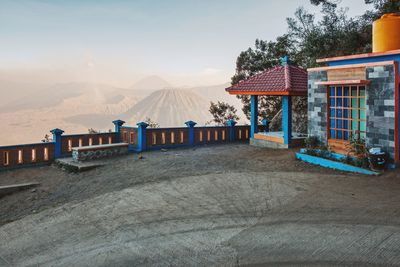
(118,42)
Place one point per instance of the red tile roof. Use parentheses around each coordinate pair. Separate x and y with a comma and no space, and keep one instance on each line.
(279,80)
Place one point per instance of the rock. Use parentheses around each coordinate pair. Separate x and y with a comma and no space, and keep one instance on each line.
(33,190)
(140,156)
(164,150)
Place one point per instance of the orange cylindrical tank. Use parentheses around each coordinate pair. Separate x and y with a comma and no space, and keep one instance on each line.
(386,33)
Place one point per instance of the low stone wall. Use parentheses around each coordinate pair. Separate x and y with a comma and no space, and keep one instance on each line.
(98,152)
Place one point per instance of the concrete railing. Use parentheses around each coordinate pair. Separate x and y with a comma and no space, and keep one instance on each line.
(139,138)
(142,138)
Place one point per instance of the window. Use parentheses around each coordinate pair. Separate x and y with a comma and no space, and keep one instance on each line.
(223,135)
(347,112)
(33,155)
(46,154)
(201,136)
(216,135)
(247,134)
(100,141)
(69,145)
(240,134)
(172,138)
(154,136)
(110,140)
(181,137)
(6,160)
(90,141)
(20,157)
(80,142)
(208,135)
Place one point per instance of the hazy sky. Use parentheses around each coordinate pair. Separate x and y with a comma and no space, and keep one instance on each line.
(186,42)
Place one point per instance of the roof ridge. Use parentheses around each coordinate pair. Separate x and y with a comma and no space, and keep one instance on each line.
(288,82)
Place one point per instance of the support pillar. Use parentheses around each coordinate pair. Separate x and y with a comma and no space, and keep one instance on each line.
(118,124)
(57,142)
(142,136)
(254,115)
(231,130)
(191,125)
(287,119)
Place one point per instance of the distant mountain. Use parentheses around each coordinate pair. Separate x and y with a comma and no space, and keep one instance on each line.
(152,83)
(170,107)
(83,95)
(217,93)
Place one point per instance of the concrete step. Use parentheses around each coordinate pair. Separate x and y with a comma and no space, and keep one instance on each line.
(10,189)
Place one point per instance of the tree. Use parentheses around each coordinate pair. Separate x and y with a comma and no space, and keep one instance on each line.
(308,39)
(382,7)
(222,112)
(152,124)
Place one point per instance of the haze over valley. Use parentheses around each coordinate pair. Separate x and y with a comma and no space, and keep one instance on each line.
(77,106)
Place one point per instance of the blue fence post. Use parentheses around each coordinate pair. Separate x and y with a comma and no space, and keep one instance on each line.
(57,142)
(265,123)
(142,136)
(231,124)
(118,124)
(191,125)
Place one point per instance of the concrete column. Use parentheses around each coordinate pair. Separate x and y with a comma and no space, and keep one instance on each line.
(254,115)
(118,124)
(287,119)
(231,124)
(142,136)
(57,142)
(191,125)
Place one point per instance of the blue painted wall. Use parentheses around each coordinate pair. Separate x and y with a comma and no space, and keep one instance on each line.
(395,57)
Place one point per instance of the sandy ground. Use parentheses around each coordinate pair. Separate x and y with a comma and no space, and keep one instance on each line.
(212,206)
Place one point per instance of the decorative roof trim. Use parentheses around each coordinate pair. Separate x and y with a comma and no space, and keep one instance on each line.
(366,55)
(269,93)
(380,63)
(344,82)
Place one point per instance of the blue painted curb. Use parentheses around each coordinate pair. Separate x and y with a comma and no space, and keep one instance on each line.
(333,164)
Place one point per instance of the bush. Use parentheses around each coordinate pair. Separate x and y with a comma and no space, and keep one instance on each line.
(312,142)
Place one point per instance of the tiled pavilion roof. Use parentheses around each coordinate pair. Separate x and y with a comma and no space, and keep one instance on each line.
(276,81)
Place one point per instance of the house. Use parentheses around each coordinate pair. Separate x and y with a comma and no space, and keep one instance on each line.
(357,96)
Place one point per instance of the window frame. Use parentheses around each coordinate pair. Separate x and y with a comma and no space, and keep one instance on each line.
(350,109)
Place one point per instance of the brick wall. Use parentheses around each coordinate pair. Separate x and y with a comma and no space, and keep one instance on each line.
(166,137)
(26,155)
(76,140)
(317,105)
(129,135)
(380,108)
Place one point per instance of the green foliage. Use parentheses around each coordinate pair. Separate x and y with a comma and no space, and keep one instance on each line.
(312,142)
(382,7)
(46,139)
(308,39)
(93,131)
(358,147)
(222,112)
(151,123)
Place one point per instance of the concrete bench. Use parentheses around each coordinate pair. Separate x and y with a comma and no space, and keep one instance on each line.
(86,153)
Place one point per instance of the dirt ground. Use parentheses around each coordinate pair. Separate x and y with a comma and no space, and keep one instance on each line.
(210,206)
